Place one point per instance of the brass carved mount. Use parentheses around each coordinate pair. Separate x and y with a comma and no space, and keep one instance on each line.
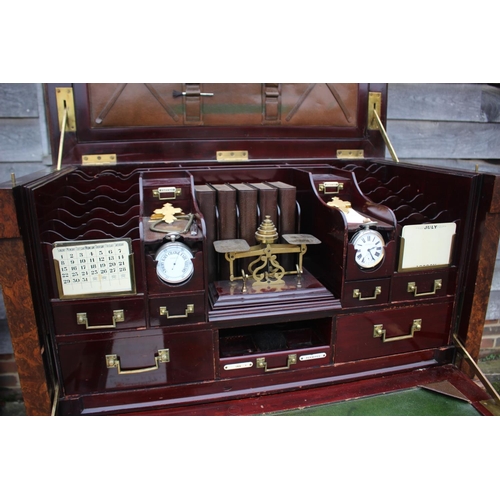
(265,269)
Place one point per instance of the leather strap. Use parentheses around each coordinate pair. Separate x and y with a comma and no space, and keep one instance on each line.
(192,104)
(271,103)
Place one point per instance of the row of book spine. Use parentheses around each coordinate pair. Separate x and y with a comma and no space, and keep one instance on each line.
(235,211)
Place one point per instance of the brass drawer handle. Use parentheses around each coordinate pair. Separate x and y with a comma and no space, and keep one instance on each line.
(118,317)
(189,310)
(356,294)
(412,288)
(379,331)
(113,361)
(331,187)
(261,363)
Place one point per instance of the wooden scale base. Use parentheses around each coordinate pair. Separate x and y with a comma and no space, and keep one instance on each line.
(290,298)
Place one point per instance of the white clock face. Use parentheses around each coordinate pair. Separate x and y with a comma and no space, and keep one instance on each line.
(174,263)
(370,248)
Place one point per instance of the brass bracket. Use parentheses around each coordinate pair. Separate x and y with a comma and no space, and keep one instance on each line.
(224,156)
(167,193)
(98,160)
(349,154)
(65,101)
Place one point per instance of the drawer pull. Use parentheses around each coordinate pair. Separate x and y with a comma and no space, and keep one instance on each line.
(189,310)
(261,363)
(380,332)
(412,288)
(331,187)
(356,294)
(113,361)
(118,317)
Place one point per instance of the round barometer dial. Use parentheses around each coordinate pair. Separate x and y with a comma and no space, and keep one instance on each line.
(370,248)
(174,263)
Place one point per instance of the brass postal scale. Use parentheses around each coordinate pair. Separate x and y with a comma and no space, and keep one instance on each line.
(200,247)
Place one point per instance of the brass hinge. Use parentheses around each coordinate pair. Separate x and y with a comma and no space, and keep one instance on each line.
(375,123)
(98,160)
(66,102)
(232,156)
(348,154)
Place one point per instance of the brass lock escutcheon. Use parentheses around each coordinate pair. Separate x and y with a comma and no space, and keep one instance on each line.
(380,332)
(356,294)
(113,361)
(412,288)
(261,363)
(118,317)
(189,310)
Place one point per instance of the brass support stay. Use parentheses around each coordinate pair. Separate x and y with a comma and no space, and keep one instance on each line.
(374,121)
(494,405)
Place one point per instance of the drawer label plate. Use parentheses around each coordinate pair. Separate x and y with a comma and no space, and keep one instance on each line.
(307,357)
(238,366)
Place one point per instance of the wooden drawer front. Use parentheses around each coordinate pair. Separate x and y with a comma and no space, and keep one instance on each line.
(269,363)
(365,293)
(412,286)
(382,333)
(145,361)
(178,310)
(98,315)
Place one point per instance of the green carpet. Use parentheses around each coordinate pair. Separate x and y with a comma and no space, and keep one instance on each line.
(411,402)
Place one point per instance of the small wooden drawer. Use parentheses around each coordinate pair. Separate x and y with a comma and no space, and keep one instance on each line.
(98,315)
(274,348)
(147,361)
(392,331)
(366,292)
(416,286)
(177,309)
(265,363)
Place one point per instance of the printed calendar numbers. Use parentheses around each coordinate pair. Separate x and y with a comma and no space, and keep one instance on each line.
(96,267)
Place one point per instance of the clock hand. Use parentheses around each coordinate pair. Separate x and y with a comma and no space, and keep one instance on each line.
(175,262)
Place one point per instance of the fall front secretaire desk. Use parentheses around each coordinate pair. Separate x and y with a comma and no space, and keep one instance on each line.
(212,249)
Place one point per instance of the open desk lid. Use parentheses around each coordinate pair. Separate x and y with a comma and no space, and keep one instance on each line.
(201,122)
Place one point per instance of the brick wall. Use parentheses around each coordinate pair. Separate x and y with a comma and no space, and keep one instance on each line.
(9,379)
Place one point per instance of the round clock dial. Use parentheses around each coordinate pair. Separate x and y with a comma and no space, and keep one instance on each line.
(370,248)
(174,263)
